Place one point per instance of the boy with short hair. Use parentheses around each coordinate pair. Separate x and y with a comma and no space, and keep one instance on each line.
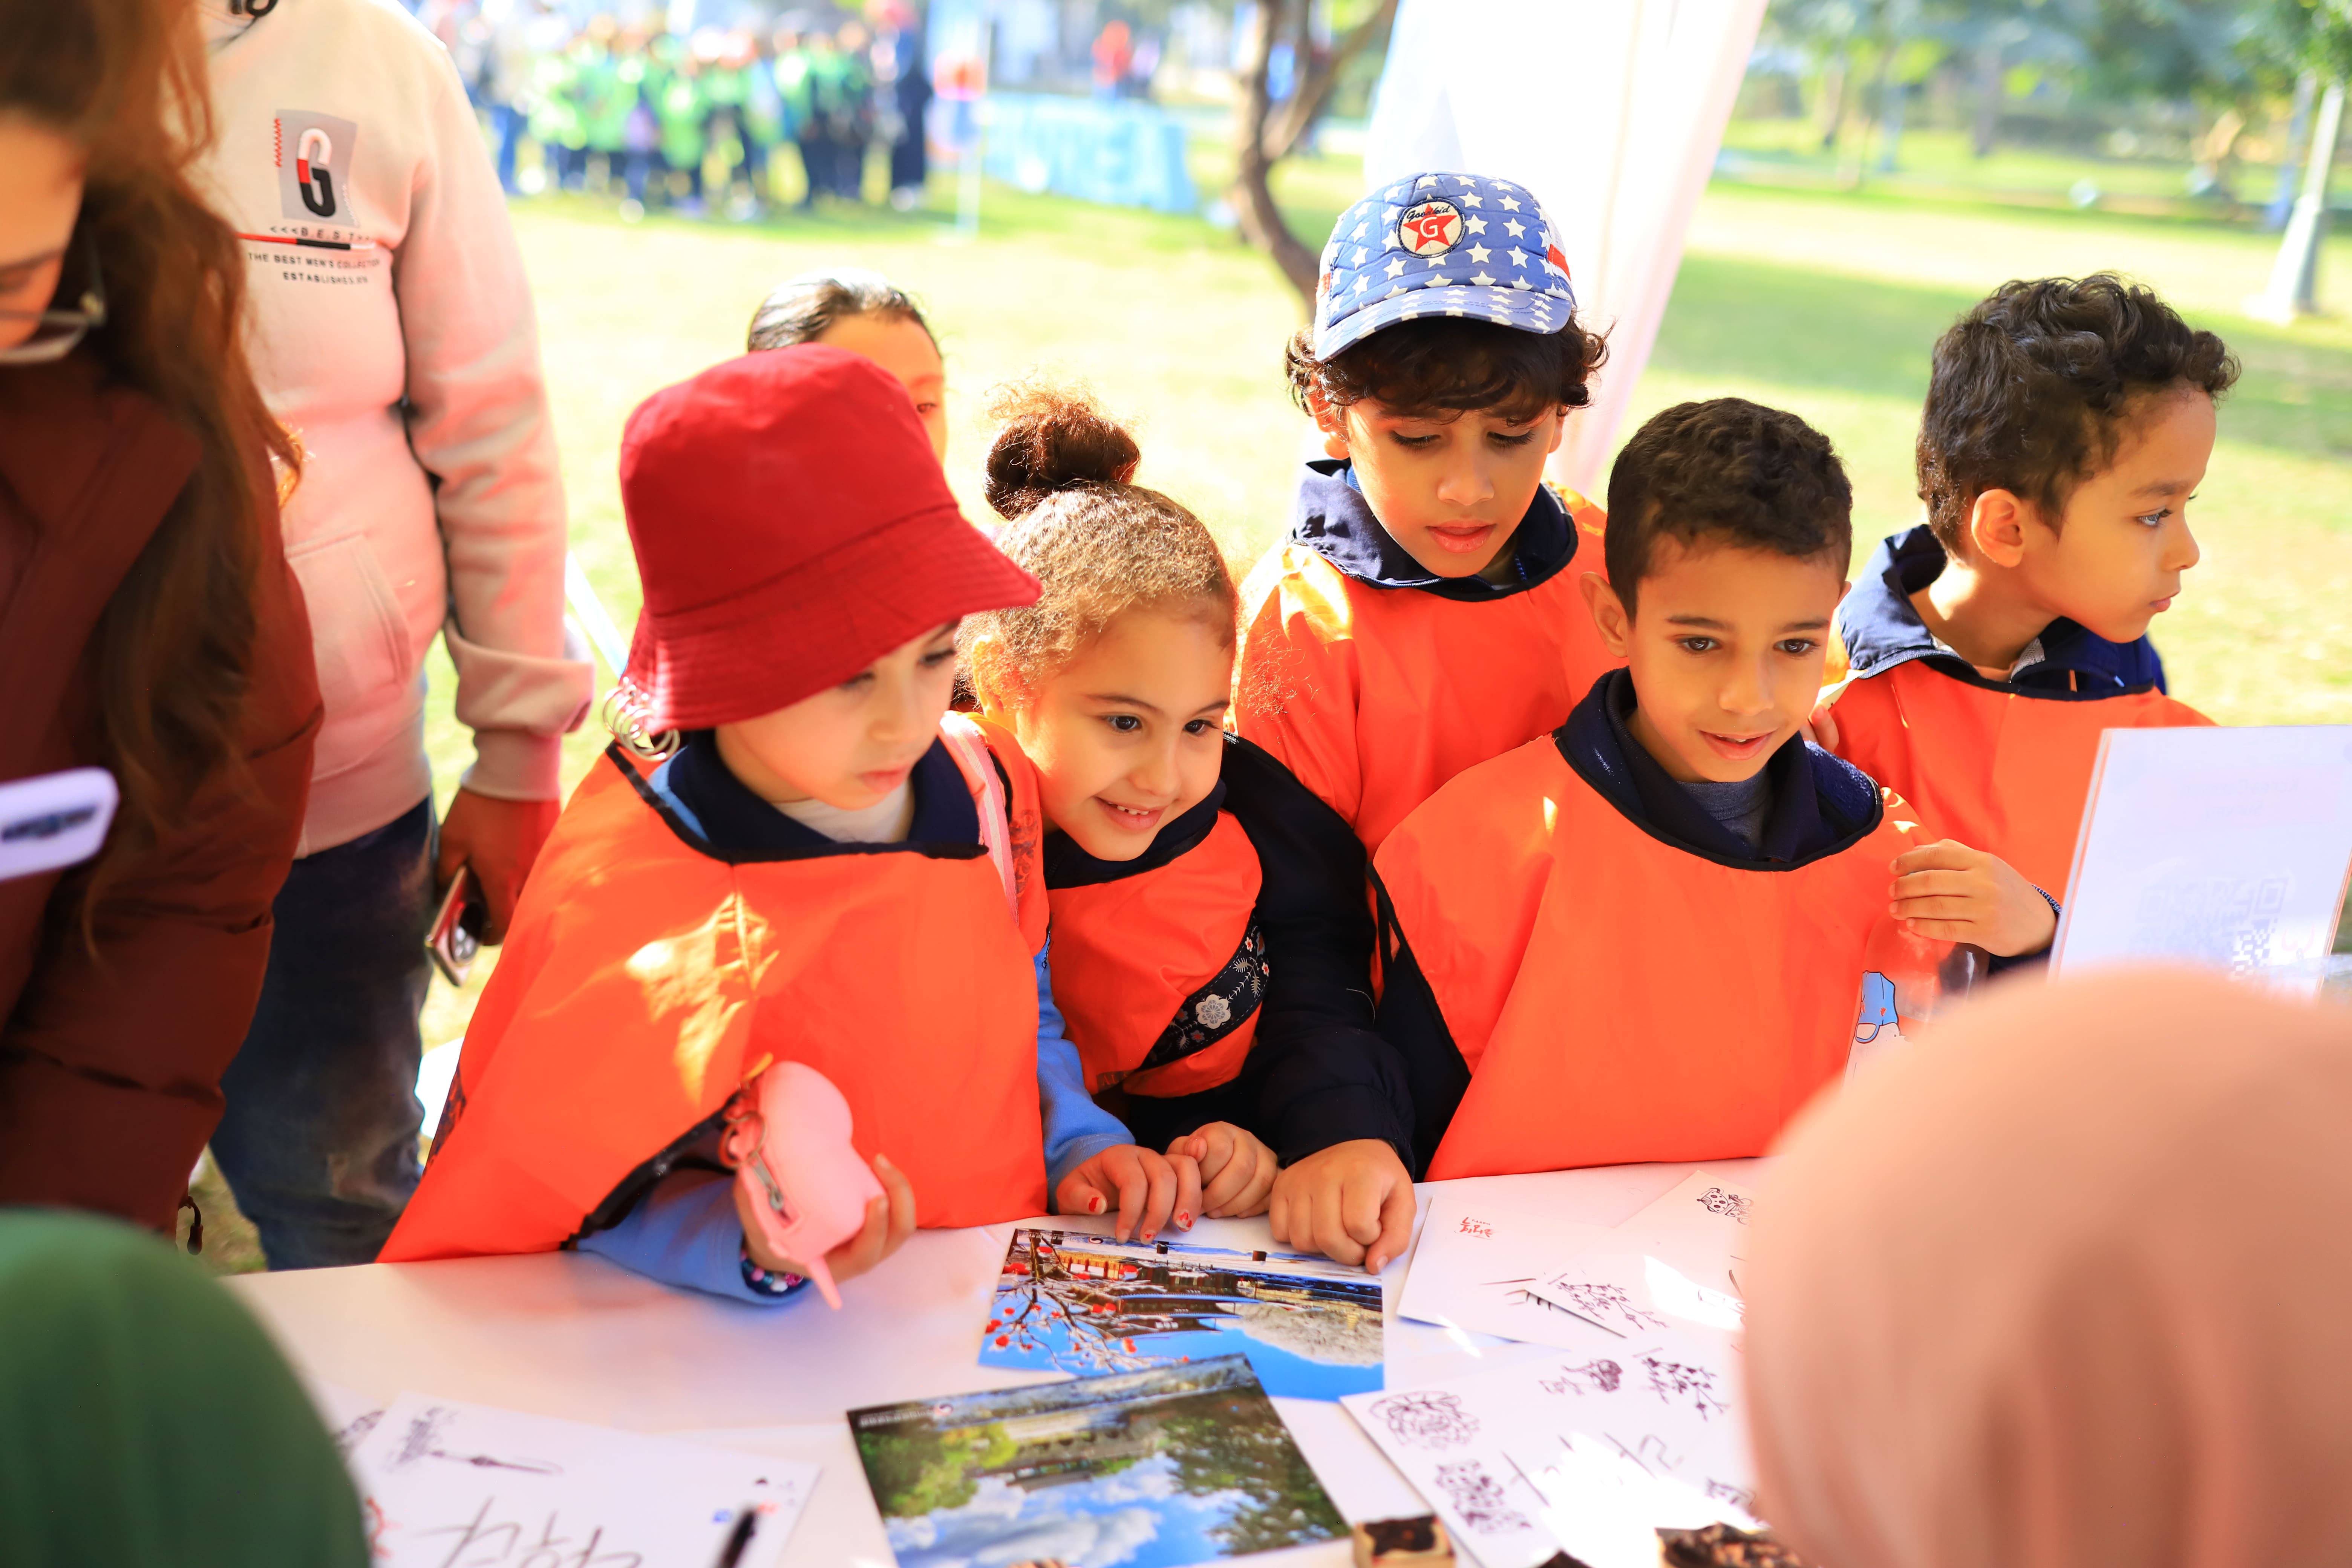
(2067,425)
(1646,933)
(1422,614)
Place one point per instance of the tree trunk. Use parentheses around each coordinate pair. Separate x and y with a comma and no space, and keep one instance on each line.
(1832,104)
(1265,133)
(1991,92)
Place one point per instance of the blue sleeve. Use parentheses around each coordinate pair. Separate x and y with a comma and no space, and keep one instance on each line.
(685,1233)
(1076,1128)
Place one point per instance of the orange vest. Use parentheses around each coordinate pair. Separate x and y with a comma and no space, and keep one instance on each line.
(1619,999)
(2004,771)
(644,980)
(1159,975)
(1374,697)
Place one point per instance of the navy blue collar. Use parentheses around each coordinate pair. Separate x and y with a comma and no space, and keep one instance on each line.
(1336,521)
(1820,804)
(1067,865)
(734,819)
(1881,630)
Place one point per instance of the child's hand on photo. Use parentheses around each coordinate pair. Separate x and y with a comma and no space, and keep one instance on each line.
(1951,892)
(1237,1172)
(889,1221)
(1147,1189)
(1352,1203)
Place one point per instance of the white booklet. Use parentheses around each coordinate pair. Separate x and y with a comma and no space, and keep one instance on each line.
(2228,848)
(1647,1432)
(443,1482)
(1481,1249)
(1674,1265)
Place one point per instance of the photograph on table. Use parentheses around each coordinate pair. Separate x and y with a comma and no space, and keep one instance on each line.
(1067,1301)
(1174,1465)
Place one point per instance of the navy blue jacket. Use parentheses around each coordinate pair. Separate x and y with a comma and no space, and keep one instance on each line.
(1336,521)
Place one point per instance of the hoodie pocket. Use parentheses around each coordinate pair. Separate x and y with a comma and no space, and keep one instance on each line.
(358,640)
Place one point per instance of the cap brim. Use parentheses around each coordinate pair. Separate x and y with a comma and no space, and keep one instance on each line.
(1522,309)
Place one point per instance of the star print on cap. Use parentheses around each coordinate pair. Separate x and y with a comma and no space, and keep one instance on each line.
(1440,245)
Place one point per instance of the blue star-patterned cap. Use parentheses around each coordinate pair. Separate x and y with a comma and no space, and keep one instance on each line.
(1441,245)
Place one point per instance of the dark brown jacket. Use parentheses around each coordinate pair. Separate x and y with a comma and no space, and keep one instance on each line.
(111,1061)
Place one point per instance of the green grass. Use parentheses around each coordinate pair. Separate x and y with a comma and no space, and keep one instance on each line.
(1823,303)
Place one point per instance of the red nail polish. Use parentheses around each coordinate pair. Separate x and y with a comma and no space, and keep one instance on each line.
(1185,1220)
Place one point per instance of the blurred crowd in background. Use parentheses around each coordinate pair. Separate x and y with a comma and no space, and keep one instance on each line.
(738,120)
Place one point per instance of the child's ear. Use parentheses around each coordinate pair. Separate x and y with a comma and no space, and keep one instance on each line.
(1997,527)
(1559,428)
(1332,420)
(1609,614)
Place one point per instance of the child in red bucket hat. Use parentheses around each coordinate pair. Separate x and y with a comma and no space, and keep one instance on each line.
(825,866)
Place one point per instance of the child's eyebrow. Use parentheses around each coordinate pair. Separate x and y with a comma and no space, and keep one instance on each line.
(2165,487)
(1709,622)
(1120,700)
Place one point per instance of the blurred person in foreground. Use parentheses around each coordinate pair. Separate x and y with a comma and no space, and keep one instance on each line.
(146,1421)
(148,622)
(392,331)
(2063,1285)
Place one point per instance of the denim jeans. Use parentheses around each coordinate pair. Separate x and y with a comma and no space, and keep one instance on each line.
(319,1142)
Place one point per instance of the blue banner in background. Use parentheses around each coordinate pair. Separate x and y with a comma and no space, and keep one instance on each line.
(1118,151)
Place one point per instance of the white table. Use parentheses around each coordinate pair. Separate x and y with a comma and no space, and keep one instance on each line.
(569,1335)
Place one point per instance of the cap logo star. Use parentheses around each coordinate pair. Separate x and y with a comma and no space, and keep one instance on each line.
(1430,228)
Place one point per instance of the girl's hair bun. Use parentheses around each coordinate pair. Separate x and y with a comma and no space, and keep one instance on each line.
(1050,439)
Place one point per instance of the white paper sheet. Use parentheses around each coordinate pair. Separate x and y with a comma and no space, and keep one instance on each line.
(1475,1447)
(1676,1264)
(2222,846)
(446,1482)
(1479,1251)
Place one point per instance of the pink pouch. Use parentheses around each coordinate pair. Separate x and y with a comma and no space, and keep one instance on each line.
(788,1138)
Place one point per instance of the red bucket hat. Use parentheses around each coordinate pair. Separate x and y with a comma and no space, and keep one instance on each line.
(791,527)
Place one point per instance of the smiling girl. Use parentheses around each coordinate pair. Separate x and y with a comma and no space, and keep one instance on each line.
(1211,934)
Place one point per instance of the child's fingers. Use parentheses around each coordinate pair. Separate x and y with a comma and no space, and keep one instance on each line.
(900,1191)
(1943,930)
(1234,1177)
(1251,1198)
(1133,1185)
(1944,855)
(1823,725)
(1189,1204)
(1396,1228)
(1331,1237)
(1159,1195)
(1940,907)
(1924,884)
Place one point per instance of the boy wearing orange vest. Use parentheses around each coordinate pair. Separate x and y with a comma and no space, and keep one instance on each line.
(1647,935)
(1422,614)
(829,868)
(2067,425)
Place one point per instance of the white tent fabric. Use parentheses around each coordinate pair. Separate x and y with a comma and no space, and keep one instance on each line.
(1611,112)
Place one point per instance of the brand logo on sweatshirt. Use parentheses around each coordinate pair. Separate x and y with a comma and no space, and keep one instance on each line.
(314,162)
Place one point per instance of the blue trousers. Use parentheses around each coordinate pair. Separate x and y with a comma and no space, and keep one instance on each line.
(319,1142)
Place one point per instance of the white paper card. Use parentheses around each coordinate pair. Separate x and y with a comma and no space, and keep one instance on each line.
(1475,1446)
(447,1482)
(1676,1264)
(1480,1249)
(2222,846)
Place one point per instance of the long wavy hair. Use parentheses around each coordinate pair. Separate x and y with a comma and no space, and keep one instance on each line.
(125,81)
